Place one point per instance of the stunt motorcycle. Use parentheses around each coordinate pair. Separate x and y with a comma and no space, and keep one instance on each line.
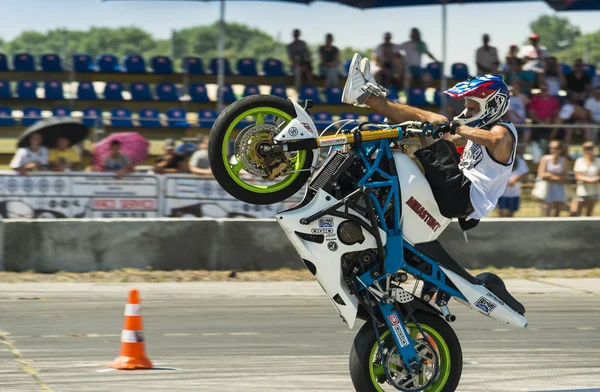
(367,221)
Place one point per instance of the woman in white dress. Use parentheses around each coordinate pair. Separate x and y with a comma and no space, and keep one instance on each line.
(587,174)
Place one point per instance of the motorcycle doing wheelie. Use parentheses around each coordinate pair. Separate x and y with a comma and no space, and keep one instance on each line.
(367,221)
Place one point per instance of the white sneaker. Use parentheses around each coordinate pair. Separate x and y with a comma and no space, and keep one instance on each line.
(360,84)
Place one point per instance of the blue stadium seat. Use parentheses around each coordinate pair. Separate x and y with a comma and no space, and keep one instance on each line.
(6,118)
(437,97)
(589,70)
(273,67)
(177,118)
(195,66)
(186,149)
(322,120)
(149,118)
(61,112)
(251,89)
(161,65)
(82,62)
(85,90)
(91,116)
(31,115)
(53,90)
(376,117)
(140,91)
(228,95)
(166,92)
(23,62)
(51,63)
(460,71)
(347,66)
(349,116)
(108,63)
(246,66)
(309,92)
(416,97)
(435,70)
(214,66)
(565,68)
(121,118)
(26,89)
(113,91)
(198,93)
(5,92)
(416,71)
(206,118)
(134,64)
(393,94)
(333,95)
(3,62)
(279,91)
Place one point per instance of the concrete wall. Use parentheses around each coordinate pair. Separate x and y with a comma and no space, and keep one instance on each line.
(227,244)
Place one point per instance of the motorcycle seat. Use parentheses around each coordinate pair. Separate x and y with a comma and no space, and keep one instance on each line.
(495,284)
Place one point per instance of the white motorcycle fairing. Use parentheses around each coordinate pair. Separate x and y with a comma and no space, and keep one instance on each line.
(325,256)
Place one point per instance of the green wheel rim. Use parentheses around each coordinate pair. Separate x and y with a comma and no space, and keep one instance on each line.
(234,170)
(443,354)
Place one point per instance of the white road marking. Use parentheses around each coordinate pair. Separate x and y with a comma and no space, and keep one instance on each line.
(106,370)
(176,334)
(243,333)
(211,334)
(586,328)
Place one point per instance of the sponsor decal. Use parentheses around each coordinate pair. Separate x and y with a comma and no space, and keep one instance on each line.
(293,131)
(125,204)
(322,231)
(333,246)
(326,222)
(333,142)
(472,155)
(307,127)
(423,214)
(492,296)
(486,305)
(395,323)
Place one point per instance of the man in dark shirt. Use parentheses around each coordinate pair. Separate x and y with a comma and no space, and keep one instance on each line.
(330,61)
(579,84)
(170,161)
(300,57)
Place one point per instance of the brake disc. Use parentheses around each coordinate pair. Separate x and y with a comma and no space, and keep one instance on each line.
(246,150)
(401,378)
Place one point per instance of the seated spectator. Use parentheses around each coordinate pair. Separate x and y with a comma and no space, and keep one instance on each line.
(587,174)
(330,62)
(486,58)
(300,56)
(170,161)
(517,111)
(592,105)
(553,170)
(526,78)
(543,109)
(512,57)
(533,55)
(32,158)
(116,162)
(199,163)
(552,76)
(571,113)
(578,83)
(509,202)
(388,64)
(63,157)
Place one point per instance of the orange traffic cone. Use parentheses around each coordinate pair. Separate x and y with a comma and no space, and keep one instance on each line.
(133,355)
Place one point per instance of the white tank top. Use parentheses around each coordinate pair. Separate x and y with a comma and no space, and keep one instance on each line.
(488,176)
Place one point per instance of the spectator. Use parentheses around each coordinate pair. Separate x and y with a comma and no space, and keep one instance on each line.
(552,76)
(487,58)
(32,158)
(553,170)
(512,57)
(199,163)
(516,73)
(592,105)
(170,161)
(587,174)
(388,63)
(578,83)
(533,55)
(63,157)
(116,162)
(509,202)
(571,113)
(517,111)
(300,57)
(330,62)
(543,109)
(413,50)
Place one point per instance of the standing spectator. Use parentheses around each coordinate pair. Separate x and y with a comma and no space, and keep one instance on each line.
(388,63)
(571,113)
(587,174)
(533,55)
(32,158)
(413,51)
(517,110)
(199,163)
(330,62)
(509,202)
(63,157)
(579,84)
(552,76)
(487,58)
(300,57)
(543,109)
(116,162)
(170,161)
(592,105)
(553,170)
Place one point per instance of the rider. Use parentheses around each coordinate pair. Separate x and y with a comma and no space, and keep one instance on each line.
(467,188)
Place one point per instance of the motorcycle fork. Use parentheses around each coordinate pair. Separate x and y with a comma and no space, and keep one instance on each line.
(405,343)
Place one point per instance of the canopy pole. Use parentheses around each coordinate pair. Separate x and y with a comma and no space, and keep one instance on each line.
(444,82)
(221,50)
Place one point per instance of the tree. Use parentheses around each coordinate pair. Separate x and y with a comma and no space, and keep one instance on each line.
(588,44)
(555,33)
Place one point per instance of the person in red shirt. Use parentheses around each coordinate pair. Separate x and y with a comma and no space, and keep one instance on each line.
(543,109)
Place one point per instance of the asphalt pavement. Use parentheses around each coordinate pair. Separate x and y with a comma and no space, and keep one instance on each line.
(271,337)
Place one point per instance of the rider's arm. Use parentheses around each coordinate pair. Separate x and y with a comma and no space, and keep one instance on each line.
(498,140)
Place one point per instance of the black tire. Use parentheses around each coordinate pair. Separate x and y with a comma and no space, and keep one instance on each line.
(366,338)
(217,135)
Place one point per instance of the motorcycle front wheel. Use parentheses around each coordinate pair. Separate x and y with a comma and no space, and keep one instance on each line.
(233,151)
(367,368)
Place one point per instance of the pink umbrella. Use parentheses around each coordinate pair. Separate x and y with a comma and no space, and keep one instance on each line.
(134,145)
